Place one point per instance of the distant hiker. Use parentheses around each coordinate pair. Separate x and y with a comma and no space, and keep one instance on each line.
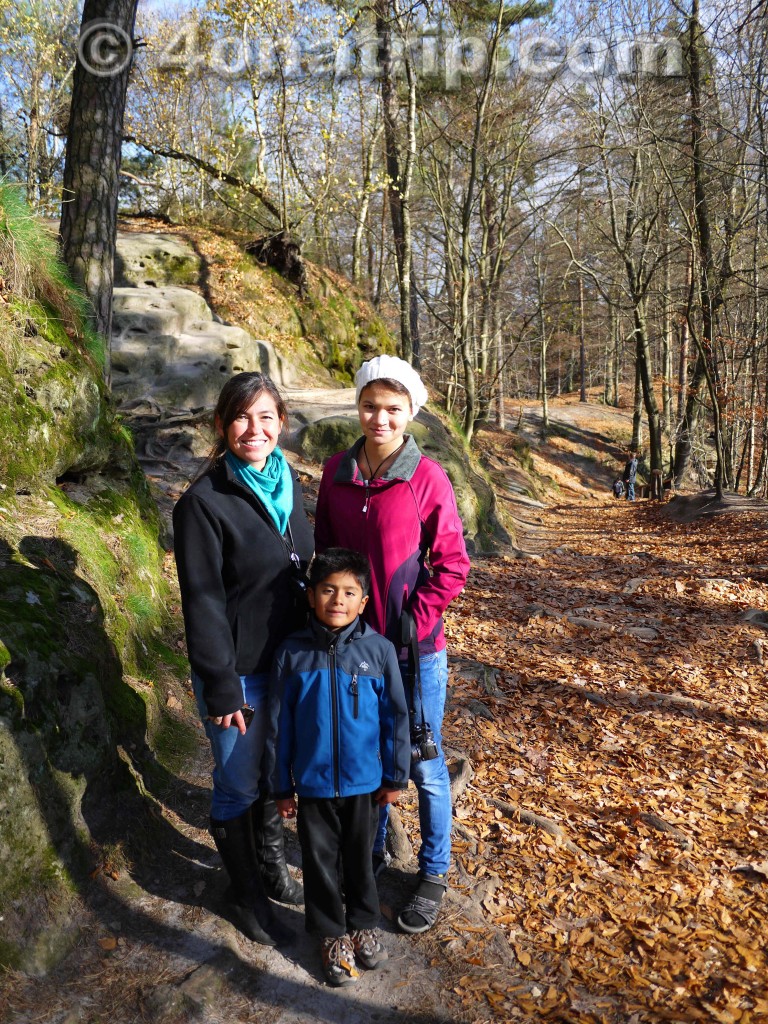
(241,539)
(339,739)
(630,474)
(397,506)
(618,488)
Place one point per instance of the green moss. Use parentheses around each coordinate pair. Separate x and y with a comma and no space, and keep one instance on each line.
(11,701)
(522,451)
(30,256)
(325,437)
(54,413)
(159,653)
(174,742)
(83,606)
(10,955)
(128,710)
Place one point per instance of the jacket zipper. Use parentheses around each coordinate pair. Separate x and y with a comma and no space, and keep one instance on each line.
(355,694)
(290,550)
(335,714)
(367,495)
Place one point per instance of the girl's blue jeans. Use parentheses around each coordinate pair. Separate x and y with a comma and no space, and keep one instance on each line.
(431,778)
(237,759)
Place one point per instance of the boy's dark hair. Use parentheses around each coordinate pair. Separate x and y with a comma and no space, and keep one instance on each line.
(340,560)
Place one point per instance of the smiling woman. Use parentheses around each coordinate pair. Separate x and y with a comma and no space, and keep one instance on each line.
(240,537)
(252,435)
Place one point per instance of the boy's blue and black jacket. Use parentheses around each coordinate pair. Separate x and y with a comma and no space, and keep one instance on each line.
(338,714)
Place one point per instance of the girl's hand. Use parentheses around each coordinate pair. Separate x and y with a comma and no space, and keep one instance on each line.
(286,808)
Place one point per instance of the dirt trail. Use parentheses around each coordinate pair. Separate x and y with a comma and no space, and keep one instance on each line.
(152,946)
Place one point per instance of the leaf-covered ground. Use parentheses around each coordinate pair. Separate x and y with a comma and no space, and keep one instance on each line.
(616,824)
(607,722)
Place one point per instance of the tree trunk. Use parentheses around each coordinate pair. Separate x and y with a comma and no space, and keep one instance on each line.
(398,172)
(637,408)
(649,395)
(501,418)
(610,396)
(688,423)
(582,344)
(682,375)
(710,287)
(666,342)
(92,167)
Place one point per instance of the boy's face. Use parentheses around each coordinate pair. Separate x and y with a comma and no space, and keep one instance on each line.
(337,600)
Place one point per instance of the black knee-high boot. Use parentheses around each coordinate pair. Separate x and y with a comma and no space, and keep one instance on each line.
(269,840)
(246,900)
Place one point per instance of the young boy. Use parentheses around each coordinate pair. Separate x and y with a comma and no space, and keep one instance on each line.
(340,740)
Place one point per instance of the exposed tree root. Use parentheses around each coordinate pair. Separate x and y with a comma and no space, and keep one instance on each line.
(397,840)
(537,821)
(654,821)
(461,772)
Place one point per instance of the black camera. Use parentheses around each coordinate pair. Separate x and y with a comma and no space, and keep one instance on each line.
(423,746)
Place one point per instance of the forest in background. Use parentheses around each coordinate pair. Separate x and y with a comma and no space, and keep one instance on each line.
(543,197)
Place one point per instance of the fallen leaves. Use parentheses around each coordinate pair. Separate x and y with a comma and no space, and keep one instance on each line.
(647,754)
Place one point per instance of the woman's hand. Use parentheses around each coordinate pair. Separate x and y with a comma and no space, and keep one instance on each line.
(225,721)
(286,808)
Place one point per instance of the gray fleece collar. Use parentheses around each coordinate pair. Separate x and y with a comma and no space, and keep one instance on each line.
(404,466)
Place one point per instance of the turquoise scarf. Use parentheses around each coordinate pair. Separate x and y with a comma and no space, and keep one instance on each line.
(273,485)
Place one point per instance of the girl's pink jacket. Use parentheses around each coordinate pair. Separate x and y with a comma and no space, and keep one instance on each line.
(408,525)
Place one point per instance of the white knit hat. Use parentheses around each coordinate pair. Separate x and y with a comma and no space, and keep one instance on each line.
(392,368)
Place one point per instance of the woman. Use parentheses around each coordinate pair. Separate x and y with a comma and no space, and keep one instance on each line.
(242,541)
(395,505)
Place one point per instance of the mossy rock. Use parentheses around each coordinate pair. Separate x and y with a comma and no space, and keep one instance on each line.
(83,609)
(55,415)
(38,846)
(475,496)
(343,327)
(323,438)
(333,327)
(154,259)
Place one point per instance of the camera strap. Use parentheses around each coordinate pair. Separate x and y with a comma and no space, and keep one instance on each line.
(409,638)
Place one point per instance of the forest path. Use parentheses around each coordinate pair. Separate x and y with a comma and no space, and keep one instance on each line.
(606,713)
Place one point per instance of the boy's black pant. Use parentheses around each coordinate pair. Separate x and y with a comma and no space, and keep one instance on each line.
(336,837)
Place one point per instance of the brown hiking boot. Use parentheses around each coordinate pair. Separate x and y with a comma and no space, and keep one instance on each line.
(338,960)
(368,950)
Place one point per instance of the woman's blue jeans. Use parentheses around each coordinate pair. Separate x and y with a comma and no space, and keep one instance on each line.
(431,778)
(237,758)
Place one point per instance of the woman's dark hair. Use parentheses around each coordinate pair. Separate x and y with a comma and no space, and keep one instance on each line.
(340,560)
(237,395)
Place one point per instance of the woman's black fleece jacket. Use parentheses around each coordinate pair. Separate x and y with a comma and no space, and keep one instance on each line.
(235,578)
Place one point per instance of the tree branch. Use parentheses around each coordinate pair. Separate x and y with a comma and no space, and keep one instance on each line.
(220,175)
